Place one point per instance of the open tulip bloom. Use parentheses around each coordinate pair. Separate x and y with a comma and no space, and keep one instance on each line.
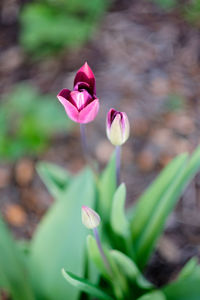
(81,104)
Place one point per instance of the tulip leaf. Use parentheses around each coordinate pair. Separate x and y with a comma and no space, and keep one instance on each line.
(85,286)
(129,269)
(14,275)
(149,200)
(145,243)
(60,240)
(126,265)
(55,178)
(107,187)
(188,268)
(156,295)
(112,270)
(144,283)
(119,222)
(187,285)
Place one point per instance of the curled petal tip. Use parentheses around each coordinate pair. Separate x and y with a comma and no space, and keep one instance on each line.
(86,75)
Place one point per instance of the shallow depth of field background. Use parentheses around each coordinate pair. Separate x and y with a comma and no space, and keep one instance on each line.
(146,59)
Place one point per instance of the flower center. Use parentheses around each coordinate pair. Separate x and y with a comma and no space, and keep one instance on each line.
(80,99)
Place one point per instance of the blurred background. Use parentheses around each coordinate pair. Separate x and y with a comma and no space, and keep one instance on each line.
(146,58)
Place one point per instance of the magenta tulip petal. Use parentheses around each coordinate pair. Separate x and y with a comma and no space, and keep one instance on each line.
(80,99)
(88,114)
(81,104)
(65,93)
(110,116)
(70,109)
(85,74)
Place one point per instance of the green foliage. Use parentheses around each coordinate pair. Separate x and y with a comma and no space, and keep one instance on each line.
(59,240)
(166,4)
(149,200)
(107,187)
(49,26)
(187,285)
(55,178)
(163,202)
(85,286)
(26,122)
(125,264)
(119,222)
(14,275)
(174,103)
(157,295)
(192,12)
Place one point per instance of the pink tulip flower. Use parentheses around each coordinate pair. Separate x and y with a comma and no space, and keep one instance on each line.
(81,104)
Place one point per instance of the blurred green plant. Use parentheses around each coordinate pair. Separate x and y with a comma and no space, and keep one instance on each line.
(61,240)
(166,4)
(26,122)
(49,26)
(190,10)
(174,102)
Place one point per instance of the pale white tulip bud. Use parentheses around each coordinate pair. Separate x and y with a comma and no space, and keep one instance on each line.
(117,127)
(90,218)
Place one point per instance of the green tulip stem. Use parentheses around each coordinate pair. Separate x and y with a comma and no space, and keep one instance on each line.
(118,164)
(83,140)
(104,258)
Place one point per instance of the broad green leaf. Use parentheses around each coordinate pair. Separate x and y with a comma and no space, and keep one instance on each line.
(148,202)
(157,295)
(119,222)
(125,264)
(14,275)
(55,178)
(85,286)
(145,244)
(107,187)
(60,240)
(187,285)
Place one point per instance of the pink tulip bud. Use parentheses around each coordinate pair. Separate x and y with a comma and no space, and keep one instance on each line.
(118,127)
(81,104)
(90,218)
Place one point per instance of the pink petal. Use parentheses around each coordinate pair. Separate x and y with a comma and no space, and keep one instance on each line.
(85,74)
(70,109)
(80,99)
(88,114)
(65,93)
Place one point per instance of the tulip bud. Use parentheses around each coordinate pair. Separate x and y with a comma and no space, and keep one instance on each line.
(90,218)
(118,127)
